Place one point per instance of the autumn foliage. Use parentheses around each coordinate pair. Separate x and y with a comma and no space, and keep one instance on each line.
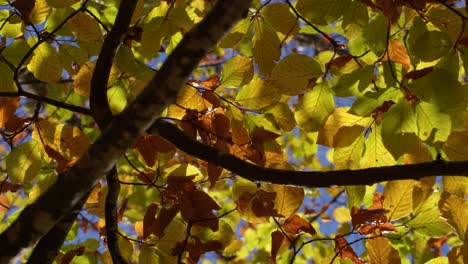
(292,87)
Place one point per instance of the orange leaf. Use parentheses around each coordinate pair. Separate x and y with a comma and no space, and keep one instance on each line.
(165,217)
(397,53)
(145,176)
(62,162)
(345,250)
(210,83)
(150,145)
(295,225)
(7,109)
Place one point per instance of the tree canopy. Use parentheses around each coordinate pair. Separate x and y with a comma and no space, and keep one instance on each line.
(236,131)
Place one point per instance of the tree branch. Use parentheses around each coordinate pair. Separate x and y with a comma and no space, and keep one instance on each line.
(40,216)
(98,98)
(103,116)
(43,99)
(306,178)
(49,245)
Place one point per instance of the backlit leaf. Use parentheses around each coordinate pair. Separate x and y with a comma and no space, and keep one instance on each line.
(381,251)
(266,46)
(236,72)
(314,107)
(427,220)
(432,45)
(45,63)
(322,12)
(147,255)
(399,198)
(288,198)
(86,28)
(6,79)
(257,95)
(294,74)
(24,162)
(453,209)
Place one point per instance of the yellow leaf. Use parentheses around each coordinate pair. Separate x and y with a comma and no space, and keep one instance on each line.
(6,78)
(453,208)
(266,46)
(294,74)
(7,108)
(456,185)
(381,251)
(82,80)
(257,95)
(288,198)
(45,64)
(337,120)
(399,198)
(86,28)
(147,255)
(40,12)
(341,214)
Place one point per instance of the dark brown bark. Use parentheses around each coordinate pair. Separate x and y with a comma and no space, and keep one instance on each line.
(39,217)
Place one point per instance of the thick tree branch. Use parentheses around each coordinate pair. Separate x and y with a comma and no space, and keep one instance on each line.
(47,249)
(98,97)
(306,178)
(103,116)
(40,216)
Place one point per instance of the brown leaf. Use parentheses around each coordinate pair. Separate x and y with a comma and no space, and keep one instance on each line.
(196,248)
(390,9)
(345,250)
(150,145)
(25,7)
(62,162)
(68,257)
(339,62)
(164,218)
(211,97)
(7,109)
(244,201)
(145,176)
(9,187)
(276,241)
(263,204)
(149,219)
(294,225)
(262,135)
(416,74)
(15,123)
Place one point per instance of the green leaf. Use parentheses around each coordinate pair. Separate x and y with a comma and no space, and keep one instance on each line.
(398,198)
(282,20)
(376,34)
(294,74)
(236,34)
(355,195)
(45,64)
(282,116)
(257,95)
(6,78)
(147,255)
(352,84)
(376,155)
(322,12)
(24,162)
(427,219)
(117,97)
(314,107)
(455,147)
(399,129)
(151,38)
(429,118)
(349,157)
(237,71)
(125,246)
(15,52)
(431,45)
(266,46)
